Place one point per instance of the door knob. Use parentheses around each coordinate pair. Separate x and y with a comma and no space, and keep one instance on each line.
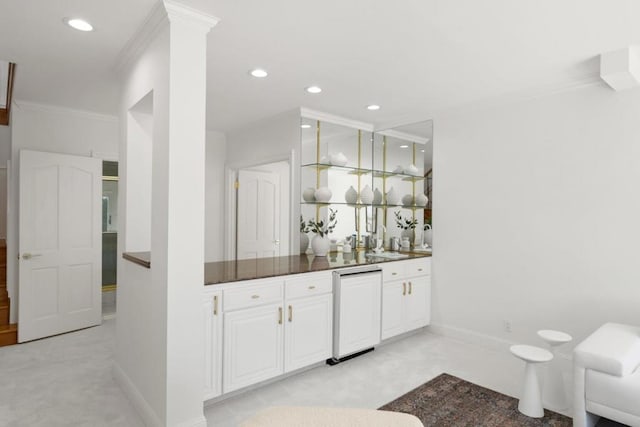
(28,255)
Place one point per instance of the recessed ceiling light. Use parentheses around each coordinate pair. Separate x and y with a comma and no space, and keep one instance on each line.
(404,146)
(78,24)
(373,107)
(422,151)
(305,126)
(313,89)
(259,73)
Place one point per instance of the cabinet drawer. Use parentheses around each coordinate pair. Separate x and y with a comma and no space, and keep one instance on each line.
(310,284)
(393,270)
(264,292)
(418,267)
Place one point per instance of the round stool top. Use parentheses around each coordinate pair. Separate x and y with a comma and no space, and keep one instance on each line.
(532,354)
(554,337)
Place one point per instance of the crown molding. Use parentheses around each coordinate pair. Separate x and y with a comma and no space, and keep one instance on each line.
(178,11)
(406,136)
(55,109)
(524,95)
(336,120)
(152,25)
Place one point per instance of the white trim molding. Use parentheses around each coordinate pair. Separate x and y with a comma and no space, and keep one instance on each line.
(481,340)
(148,415)
(178,11)
(33,106)
(404,136)
(336,120)
(152,25)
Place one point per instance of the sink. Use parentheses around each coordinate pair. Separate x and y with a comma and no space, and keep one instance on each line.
(388,255)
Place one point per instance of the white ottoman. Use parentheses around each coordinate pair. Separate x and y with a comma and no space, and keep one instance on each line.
(553,392)
(530,403)
(297,416)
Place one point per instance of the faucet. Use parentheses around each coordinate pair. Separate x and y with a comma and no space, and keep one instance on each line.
(380,238)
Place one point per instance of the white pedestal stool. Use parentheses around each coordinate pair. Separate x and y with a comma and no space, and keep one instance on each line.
(553,392)
(530,402)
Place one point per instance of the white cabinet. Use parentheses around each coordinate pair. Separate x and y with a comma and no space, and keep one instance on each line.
(308,331)
(406,296)
(274,326)
(212,344)
(392,309)
(417,302)
(253,345)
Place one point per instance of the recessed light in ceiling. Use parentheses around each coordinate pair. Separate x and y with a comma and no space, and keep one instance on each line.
(404,146)
(313,89)
(259,73)
(422,151)
(373,107)
(78,24)
(305,126)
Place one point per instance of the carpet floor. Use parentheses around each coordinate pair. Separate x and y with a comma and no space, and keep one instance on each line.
(448,401)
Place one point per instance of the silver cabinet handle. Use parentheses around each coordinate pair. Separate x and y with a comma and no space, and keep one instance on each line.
(410,288)
(28,255)
(215,305)
(277,242)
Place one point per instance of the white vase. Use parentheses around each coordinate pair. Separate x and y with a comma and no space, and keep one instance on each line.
(392,197)
(422,200)
(366,195)
(351,196)
(323,194)
(377,197)
(428,235)
(320,245)
(304,243)
(411,170)
(338,159)
(408,233)
(407,200)
(309,194)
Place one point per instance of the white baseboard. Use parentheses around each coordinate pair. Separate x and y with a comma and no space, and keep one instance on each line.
(482,340)
(137,400)
(198,422)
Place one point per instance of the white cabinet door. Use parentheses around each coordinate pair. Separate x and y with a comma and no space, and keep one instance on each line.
(308,331)
(358,313)
(393,296)
(213,345)
(253,346)
(417,302)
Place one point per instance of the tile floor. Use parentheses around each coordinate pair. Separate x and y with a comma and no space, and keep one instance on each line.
(66,380)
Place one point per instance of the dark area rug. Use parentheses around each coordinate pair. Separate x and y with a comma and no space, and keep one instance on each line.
(448,401)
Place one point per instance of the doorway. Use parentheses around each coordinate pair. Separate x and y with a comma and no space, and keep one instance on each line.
(109,237)
(262,210)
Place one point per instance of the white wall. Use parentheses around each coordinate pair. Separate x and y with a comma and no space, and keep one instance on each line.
(57,130)
(536,215)
(214,196)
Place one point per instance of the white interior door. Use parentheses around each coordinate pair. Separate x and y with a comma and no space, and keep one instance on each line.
(258,214)
(59,244)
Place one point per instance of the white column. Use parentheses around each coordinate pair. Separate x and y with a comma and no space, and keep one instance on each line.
(177,230)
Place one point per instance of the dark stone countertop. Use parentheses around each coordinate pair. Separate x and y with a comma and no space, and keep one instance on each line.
(260,268)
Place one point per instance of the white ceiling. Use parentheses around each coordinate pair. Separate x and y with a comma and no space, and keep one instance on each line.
(413,57)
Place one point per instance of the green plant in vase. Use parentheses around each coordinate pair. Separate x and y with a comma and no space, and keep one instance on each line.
(322,229)
(407,225)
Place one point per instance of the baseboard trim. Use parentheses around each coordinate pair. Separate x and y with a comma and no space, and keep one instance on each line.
(137,400)
(198,422)
(482,340)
